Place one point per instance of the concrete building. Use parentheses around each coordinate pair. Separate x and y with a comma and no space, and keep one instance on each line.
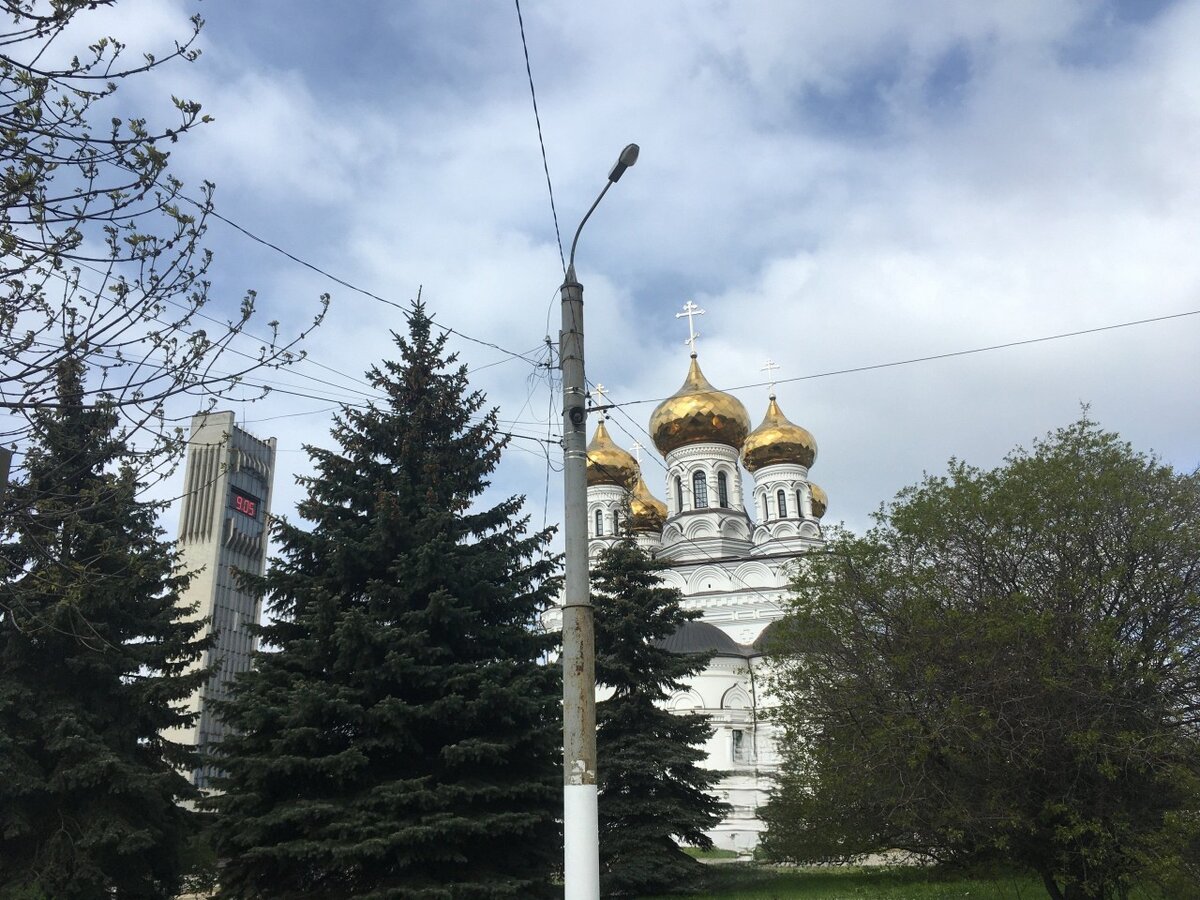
(222,530)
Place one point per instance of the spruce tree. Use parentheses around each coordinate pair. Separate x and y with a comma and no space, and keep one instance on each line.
(401,737)
(652,788)
(94,658)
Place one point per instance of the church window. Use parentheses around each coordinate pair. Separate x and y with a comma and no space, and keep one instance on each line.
(599,523)
(740,751)
(722,490)
(799,506)
(781,501)
(678,494)
(766,512)
(616,522)
(699,490)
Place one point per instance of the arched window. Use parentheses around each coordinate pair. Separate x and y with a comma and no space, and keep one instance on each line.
(722,490)
(616,522)
(699,490)
(781,502)
(678,494)
(599,523)
(799,506)
(766,512)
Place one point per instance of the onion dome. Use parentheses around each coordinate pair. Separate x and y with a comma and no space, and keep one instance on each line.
(607,463)
(777,440)
(646,512)
(820,502)
(698,413)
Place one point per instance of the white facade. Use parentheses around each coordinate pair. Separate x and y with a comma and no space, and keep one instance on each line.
(732,558)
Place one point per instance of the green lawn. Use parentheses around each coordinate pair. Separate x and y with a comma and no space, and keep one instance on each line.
(750,882)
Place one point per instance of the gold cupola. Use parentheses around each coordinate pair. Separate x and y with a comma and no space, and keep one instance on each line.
(777,440)
(698,413)
(646,512)
(607,463)
(820,502)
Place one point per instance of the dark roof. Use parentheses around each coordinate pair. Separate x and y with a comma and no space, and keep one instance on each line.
(702,637)
(765,642)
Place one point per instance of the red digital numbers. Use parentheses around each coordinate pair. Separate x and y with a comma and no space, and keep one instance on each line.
(245,505)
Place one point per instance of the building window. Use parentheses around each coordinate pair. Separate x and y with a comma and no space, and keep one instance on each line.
(740,751)
(699,490)
(616,522)
(722,490)
(678,494)
(799,506)
(599,523)
(766,512)
(781,501)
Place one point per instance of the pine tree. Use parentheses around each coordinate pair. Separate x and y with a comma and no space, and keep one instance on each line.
(652,788)
(93,666)
(402,739)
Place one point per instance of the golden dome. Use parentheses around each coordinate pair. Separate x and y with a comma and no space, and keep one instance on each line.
(607,463)
(777,440)
(698,412)
(646,512)
(820,502)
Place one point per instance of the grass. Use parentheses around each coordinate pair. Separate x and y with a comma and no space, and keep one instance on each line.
(753,882)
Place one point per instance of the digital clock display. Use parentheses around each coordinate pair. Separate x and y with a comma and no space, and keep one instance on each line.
(244,503)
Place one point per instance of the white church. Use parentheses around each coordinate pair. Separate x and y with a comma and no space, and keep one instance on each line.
(731,557)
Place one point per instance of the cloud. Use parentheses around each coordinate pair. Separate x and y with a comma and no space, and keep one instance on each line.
(838,185)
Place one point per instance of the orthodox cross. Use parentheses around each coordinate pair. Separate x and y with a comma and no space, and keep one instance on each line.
(691,309)
(637,452)
(600,390)
(770,368)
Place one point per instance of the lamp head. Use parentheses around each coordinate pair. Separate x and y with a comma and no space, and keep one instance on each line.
(627,158)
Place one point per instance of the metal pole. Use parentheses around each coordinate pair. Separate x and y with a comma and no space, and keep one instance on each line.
(581,832)
(581,858)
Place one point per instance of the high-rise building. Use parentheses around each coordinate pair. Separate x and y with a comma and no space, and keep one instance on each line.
(222,531)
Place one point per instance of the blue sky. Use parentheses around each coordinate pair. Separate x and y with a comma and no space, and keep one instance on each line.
(839,185)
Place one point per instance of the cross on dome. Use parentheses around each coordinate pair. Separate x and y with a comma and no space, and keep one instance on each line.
(690,309)
(637,451)
(770,368)
(600,391)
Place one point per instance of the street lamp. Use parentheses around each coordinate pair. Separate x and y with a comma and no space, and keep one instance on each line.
(581,860)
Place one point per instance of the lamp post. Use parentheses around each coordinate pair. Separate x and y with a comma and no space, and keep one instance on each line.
(581,860)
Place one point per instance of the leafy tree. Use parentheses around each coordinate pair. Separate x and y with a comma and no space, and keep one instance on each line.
(94,658)
(652,788)
(101,257)
(402,739)
(1007,665)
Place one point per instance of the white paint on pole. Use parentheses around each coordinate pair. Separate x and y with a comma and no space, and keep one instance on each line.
(581,842)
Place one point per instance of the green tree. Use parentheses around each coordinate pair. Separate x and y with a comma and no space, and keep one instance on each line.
(1007,665)
(401,739)
(94,659)
(652,789)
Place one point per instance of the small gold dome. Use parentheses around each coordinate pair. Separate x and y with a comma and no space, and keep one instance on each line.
(607,463)
(777,440)
(696,413)
(646,512)
(820,502)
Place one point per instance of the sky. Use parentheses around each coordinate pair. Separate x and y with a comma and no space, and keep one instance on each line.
(841,186)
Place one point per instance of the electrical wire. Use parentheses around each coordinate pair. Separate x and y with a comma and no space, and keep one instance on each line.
(541,142)
(936,356)
(353,287)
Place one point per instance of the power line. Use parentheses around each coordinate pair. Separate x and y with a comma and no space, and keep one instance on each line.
(353,287)
(541,143)
(936,356)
